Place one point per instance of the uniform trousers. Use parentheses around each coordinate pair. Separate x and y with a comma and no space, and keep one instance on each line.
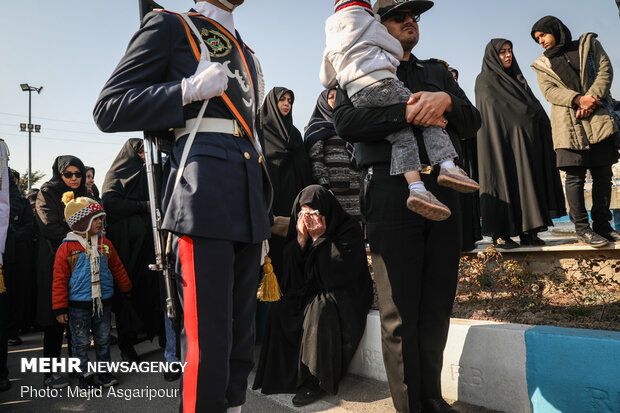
(415,262)
(4,321)
(217,289)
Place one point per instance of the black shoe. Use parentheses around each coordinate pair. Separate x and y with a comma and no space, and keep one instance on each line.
(307,395)
(86,383)
(592,238)
(437,406)
(531,239)
(612,236)
(172,375)
(105,380)
(129,354)
(14,341)
(5,384)
(113,339)
(505,243)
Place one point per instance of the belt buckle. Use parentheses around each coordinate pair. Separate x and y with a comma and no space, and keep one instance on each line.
(426,169)
(237,129)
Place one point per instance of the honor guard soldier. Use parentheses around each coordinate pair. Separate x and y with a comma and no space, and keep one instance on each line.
(5,384)
(216,202)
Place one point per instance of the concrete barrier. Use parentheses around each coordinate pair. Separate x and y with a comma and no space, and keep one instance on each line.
(517,368)
(484,365)
(573,370)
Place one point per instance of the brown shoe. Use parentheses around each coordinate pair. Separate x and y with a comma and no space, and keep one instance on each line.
(457,179)
(425,204)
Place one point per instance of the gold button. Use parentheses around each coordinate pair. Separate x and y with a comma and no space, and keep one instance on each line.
(247,155)
(260,159)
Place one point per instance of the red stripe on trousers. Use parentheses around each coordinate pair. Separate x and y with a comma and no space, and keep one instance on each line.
(190,376)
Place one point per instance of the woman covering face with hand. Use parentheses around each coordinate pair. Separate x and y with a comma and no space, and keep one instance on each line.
(314,330)
(520,187)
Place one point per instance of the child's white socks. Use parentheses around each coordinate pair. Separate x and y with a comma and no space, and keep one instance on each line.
(417,186)
(448,164)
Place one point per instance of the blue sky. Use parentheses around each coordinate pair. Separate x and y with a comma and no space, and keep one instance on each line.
(70,48)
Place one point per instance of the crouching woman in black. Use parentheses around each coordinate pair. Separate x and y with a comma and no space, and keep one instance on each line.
(313,332)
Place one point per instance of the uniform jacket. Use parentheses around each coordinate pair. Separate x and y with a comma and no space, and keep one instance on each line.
(357,45)
(4,197)
(222,192)
(568,131)
(72,274)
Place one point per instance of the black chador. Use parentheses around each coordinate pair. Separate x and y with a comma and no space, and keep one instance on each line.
(520,188)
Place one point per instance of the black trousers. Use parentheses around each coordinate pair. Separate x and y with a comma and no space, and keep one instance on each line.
(217,289)
(601,198)
(415,262)
(4,320)
(52,341)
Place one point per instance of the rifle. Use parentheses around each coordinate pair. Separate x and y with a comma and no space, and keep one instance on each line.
(153,145)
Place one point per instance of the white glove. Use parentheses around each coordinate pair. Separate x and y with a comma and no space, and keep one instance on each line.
(210,80)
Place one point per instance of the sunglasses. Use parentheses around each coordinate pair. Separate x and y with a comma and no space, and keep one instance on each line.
(402,17)
(68,175)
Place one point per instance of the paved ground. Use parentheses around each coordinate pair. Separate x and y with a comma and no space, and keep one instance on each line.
(27,394)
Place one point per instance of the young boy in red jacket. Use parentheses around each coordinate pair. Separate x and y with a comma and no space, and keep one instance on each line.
(85,270)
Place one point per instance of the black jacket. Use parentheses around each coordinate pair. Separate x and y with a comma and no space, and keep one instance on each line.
(368,127)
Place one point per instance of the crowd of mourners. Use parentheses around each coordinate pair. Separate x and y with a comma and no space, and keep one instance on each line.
(74,251)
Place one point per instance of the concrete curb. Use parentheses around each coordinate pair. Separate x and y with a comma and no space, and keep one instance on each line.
(517,368)
(573,370)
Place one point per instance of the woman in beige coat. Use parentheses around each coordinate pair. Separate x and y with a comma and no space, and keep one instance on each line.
(575,77)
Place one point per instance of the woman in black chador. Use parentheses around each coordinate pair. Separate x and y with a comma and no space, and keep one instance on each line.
(289,168)
(520,187)
(125,200)
(314,330)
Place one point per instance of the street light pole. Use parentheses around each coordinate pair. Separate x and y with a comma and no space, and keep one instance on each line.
(29,139)
(27,88)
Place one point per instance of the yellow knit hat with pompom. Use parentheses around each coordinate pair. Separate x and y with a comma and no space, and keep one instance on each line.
(80,212)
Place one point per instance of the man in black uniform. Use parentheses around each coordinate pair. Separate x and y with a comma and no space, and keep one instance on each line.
(218,209)
(415,260)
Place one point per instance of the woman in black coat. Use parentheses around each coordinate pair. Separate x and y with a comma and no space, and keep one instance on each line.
(125,199)
(314,330)
(68,174)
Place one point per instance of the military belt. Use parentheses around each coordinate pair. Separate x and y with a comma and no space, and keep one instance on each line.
(212,125)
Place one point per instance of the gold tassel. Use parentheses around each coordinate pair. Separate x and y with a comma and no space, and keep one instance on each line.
(269,290)
(2,286)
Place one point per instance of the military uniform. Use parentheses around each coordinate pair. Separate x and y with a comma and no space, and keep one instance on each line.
(219,210)
(5,175)
(415,260)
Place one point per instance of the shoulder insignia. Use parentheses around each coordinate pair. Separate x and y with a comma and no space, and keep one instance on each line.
(248,47)
(433,60)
